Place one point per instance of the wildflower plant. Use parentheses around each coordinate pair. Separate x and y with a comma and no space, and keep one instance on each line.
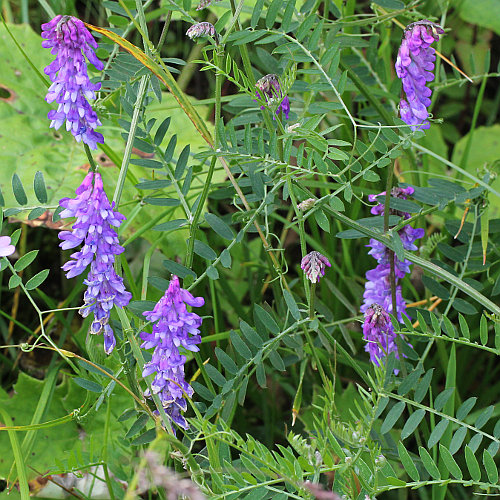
(293,303)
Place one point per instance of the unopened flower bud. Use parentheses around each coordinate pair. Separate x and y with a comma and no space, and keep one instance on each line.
(202,29)
(306,204)
(313,265)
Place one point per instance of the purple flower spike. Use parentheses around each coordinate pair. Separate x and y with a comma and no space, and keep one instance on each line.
(5,247)
(174,327)
(378,288)
(414,66)
(379,334)
(95,220)
(269,86)
(313,265)
(70,42)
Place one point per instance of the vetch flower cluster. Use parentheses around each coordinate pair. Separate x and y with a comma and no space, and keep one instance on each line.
(414,66)
(269,87)
(94,227)
(5,247)
(379,334)
(202,29)
(70,42)
(313,264)
(306,204)
(378,288)
(174,327)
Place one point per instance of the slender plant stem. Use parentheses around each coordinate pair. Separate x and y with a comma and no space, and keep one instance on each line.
(130,140)
(219,55)
(93,165)
(392,274)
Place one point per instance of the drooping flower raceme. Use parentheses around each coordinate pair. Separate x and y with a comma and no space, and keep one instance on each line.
(379,334)
(313,264)
(71,88)
(94,227)
(174,327)
(414,66)
(202,29)
(378,287)
(269,87)
(5,247)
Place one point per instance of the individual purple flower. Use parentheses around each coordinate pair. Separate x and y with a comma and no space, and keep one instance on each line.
(71,88)
(94,228)
(378,287)
(269,87)
(379,334)
(202,29)
(174,327)
(5,247)
(414,65)
(313,264)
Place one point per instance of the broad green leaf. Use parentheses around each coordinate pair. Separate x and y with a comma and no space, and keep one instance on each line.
(204,251)
(490,467)
(291,304)
(407,462)
(89,385)
(137,426)
(429,464)
(484,416)
(472,464)
(267,319)
(464,327)
(436,288)
(145,438)
(18,190)
(25,260)
(39,187)
(441,399)
(250,334)
(178,269)
(261,375)
(457,439)
(423,385)
(449,462)
(219,226)
(226,361)
(240,346)
(392,417)
(437,433)
(466,407)
(215,375)
(483,330)
(412,423)
(14,281)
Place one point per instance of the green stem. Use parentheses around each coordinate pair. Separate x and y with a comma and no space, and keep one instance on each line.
(392,273)
(208,181)
(130,140)
(312,296)
(18,456)
(93,165)
(105,452)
